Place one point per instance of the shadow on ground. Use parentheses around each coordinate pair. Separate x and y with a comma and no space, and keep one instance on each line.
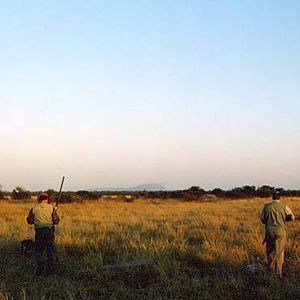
(169,275)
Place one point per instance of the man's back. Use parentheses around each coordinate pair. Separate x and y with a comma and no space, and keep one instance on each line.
(274,216)
(42,214)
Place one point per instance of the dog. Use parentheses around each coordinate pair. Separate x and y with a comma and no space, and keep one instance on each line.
(27,248)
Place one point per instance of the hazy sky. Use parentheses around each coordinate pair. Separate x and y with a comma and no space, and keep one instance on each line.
(120,93)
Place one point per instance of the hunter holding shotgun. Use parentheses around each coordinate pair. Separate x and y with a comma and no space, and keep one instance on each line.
(44,217)
(274,215)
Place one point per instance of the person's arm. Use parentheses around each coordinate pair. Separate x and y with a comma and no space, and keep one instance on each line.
(30,217)
(262,216)
(289,216)
(55,217)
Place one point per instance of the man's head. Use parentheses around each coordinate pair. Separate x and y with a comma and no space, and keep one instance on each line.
(44,197)
(276,196)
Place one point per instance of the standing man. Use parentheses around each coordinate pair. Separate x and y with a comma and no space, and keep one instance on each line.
(44,216)
(274,215)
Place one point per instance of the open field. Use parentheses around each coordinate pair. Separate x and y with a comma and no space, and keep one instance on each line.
(199,250)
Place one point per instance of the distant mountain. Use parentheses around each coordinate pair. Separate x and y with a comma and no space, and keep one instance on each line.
(147,187)
(141,187)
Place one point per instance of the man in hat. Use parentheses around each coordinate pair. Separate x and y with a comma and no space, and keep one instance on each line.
(44,216)
(274,215)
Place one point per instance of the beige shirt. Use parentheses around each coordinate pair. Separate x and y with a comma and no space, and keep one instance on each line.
(274,215)
(42,214)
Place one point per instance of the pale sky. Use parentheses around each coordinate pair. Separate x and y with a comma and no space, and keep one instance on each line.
(121,93)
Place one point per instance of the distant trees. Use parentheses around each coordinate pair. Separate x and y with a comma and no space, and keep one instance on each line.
(265,191)
(194,193)
(20,193)
(246,191)
(249,190)
(88,195)
(218,192)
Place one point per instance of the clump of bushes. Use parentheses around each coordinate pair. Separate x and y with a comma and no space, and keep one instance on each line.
(20,193)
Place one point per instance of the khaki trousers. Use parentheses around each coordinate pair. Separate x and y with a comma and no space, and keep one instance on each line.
(275,253)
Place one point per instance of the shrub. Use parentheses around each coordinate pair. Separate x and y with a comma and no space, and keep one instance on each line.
(19,193)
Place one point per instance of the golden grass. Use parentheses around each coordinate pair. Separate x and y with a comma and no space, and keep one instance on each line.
(200,250)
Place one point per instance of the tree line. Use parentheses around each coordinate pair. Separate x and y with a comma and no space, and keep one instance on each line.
(192,193)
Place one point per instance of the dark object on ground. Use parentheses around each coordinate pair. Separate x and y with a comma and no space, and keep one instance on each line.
(27,248)
(128,264)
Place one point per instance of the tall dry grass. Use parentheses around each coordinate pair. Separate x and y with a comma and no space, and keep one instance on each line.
(200,250)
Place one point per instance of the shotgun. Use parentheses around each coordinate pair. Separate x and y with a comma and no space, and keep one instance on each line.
(60,192)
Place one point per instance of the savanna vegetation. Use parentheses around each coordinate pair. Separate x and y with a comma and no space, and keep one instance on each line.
(192,250)
(192,193)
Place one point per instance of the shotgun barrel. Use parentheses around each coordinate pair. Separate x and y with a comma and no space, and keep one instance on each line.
(60,191)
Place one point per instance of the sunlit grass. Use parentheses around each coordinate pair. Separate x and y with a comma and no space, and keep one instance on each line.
(199,249)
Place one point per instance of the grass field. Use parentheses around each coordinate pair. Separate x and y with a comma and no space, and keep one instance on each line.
(199,250)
